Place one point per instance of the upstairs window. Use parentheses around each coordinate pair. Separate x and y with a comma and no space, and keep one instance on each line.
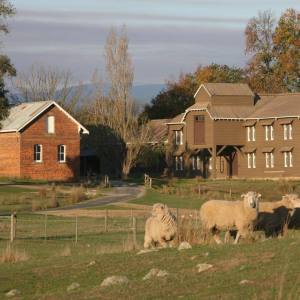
(287,132)
(251,133)
(288,159)
(269,158)
(179,163)
(269,133)
(61,153)
(50,124)
(38,153)
(251,157)
(178,137)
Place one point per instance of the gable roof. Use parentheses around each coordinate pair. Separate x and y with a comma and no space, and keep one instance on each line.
(159,130)
(277,106)
(177,119)
(226,89)
(23,114)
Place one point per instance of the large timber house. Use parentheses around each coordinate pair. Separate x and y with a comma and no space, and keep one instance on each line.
(232,132)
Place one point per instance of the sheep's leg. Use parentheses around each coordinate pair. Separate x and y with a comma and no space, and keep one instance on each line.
(147,242)
(227,237)
(163,243)
(238,235)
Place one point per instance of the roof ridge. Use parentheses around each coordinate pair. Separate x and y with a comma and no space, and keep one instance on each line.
(279,94)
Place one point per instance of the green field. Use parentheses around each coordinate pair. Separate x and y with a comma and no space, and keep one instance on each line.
(191,193)
(49,260)
(272,267)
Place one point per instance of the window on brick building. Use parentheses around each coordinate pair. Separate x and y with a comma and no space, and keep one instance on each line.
(50,124)
(61,153)
(38,153)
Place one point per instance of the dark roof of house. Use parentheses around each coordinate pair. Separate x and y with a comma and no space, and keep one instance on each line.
(159,130)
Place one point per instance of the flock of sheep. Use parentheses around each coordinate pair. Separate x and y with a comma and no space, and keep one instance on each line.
(239,217)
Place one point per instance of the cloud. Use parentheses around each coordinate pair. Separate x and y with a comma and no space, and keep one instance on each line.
(159,52)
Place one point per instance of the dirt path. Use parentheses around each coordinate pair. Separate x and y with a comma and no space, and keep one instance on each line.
(121,193)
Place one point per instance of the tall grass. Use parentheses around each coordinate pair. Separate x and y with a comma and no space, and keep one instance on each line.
(12,255)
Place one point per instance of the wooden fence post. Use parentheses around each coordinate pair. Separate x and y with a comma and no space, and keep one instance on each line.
(150,182)
(45,228)
(13,223)
(76,230)
(134,229)
(106,221)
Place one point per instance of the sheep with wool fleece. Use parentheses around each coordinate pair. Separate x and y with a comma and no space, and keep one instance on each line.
(161,227)
(221,215)
(273,216)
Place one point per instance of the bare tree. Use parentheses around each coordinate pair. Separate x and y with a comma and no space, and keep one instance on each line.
(42,83)
(116,114)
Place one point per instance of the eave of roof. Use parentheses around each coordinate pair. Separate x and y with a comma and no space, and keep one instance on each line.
(40,111)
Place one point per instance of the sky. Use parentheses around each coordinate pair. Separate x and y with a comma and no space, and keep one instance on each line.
(166,37)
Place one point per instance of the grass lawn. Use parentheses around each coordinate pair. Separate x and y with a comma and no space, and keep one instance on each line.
(272,267)
(38,197)
(191,193)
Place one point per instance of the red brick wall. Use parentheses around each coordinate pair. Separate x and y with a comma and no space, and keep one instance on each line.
(66,133)
(9,154)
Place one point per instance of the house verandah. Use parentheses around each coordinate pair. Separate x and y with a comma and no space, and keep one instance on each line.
(216,161)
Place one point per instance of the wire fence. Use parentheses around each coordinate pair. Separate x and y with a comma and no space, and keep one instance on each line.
(48,227)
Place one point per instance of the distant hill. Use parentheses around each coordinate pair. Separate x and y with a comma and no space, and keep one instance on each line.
(141,93)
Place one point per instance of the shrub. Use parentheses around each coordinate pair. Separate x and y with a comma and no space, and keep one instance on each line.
(12,255)
(78,194)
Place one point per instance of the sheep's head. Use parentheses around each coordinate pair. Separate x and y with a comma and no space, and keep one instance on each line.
(291,201)
(251,199)
(159,209)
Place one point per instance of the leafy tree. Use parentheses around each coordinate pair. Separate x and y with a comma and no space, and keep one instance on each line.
(6,68)
(274,65)
(178,95)
(286,40)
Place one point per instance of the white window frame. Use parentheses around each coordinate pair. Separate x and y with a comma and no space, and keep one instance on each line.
(60,153)
(178,137)
(251,159)
(50,124)
(269,133)
(269,159)
(287,132)
(251,133)
(38,152)
(288,159)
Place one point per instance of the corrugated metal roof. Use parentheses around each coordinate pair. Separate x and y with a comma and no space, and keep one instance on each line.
(177,119)
(21,114)
(159,130)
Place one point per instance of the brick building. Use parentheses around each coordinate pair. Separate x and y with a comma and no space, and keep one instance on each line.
(40,140)
(231,132)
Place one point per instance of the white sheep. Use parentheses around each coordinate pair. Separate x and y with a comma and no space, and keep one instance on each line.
(274,216)
(161,227)
(221,215)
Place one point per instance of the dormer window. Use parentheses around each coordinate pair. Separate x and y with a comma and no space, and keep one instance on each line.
(50,124)
(178,137)
(251,133)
